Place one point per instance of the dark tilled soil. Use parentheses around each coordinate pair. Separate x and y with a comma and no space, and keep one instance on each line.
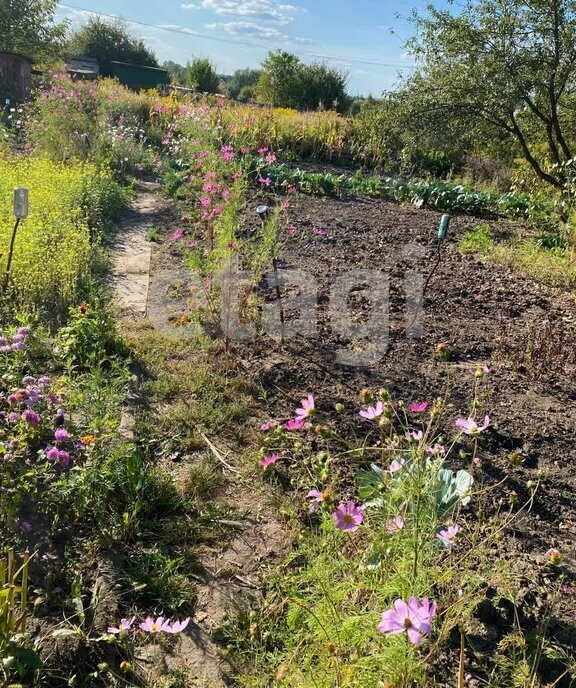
(483,313)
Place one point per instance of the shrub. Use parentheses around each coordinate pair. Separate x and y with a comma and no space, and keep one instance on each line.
(52,249)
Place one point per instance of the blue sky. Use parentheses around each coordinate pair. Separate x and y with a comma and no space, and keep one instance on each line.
(350,33)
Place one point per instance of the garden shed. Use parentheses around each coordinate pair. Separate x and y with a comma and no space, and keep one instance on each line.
(15,77)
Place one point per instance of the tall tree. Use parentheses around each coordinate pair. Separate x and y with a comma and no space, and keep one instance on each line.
(509,63)
(109,41)
(28,27)
(201,76)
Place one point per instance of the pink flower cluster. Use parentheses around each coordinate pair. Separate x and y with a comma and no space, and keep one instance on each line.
(149,625)
(15,342)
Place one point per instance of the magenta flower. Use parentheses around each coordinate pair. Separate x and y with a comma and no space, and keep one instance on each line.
(268,425)
(271,158)
(307,408)
(448,535)
(176,626)
(64,458)
(294,424)
(348,517)
(263,150)
(373,411)
(61,435)
(125,625)
(418,406)
(205,202)
(155,626)
(178,234)
(395,525)
(319,232)
(470,427)
(31,417)
(266,181)
(318,497)
(414,617)
(269,460)
(53,454)
(396,466)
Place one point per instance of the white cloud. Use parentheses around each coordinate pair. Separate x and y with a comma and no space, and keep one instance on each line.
(258,10)
(244,29)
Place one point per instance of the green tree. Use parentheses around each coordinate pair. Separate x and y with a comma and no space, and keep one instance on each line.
(176,71)
(508,65)
(201,76)
(287,82)
(27,27)
(241,79)
(109,41)
(279,84)
(323,87)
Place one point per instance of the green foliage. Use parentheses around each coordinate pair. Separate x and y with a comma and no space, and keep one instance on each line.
(90,337)
(108,41)
(287,82)
(52,248)
(505,64)
(201,76)
(28,28)
(241,81)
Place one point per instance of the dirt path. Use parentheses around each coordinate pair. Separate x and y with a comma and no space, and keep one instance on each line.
(131,251)
(149,288)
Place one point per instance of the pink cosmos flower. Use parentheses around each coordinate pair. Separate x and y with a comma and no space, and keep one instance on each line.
(436,449)
(292,230)
(448,535)
(210,175)
(373,411)
(317,497)
(307,408)
(268,425)
(125,625)
(245,150)
(263,150)
(418,406)
(150,625)
(294,424)
(178,234)
(292,190)
(269,460)
(348,517)
(414,617)
(205,202)
(396,466)
(176,626)
(414,436)
(470,427)
(285,206)
(395,525)
(271,158)
(266,181)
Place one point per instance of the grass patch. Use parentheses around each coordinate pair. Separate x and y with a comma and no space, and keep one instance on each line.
(553,266)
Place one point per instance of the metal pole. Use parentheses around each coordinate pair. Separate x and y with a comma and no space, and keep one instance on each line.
(10,254)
